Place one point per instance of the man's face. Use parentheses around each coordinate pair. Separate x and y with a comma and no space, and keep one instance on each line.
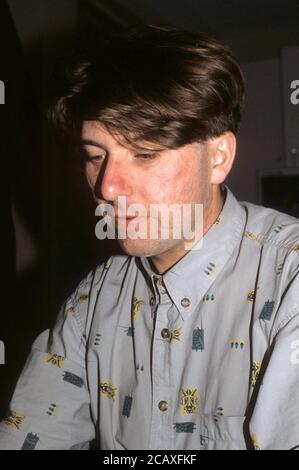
(180,176)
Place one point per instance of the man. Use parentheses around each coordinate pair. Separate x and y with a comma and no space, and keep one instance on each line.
(170,345)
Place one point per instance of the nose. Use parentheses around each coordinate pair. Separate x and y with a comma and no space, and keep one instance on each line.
(113,181)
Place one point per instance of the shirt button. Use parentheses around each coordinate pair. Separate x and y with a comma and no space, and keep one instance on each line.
(165,333)
(163,405)
(152,301)
(161,285)
(185,302)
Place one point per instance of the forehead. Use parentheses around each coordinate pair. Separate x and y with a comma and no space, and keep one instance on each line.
(92,130)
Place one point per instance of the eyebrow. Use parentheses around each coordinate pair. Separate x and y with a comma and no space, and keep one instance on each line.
(93,143)
(101,146)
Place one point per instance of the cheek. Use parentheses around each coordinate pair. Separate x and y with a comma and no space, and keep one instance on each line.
(91,176)
(168,186)
(197,182)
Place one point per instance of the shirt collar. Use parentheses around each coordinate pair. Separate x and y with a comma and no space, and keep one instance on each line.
(190,278)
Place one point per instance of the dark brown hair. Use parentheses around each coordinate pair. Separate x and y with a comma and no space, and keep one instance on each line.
(156,85)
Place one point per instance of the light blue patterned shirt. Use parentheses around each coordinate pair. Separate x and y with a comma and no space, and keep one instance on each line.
(204,357)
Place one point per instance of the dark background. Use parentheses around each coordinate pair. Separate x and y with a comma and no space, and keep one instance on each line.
(48,219)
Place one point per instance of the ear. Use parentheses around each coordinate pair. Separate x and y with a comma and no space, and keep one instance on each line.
(223,150)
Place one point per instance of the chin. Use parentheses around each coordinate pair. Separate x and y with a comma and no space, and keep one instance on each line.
(144,248)
(137,248)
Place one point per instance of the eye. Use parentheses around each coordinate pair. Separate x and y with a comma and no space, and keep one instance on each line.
(146,156)
(95,158)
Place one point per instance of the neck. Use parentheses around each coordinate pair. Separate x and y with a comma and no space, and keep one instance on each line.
(164,261)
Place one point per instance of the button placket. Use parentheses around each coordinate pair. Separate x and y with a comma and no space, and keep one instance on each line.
(162,390)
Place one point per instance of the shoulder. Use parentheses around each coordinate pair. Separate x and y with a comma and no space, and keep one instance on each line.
(274,237)
(271,227)
(111,273)
(75,316)
(112,269)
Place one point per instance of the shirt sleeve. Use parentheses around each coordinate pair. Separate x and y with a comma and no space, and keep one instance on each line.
(50,408)
(274,424)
